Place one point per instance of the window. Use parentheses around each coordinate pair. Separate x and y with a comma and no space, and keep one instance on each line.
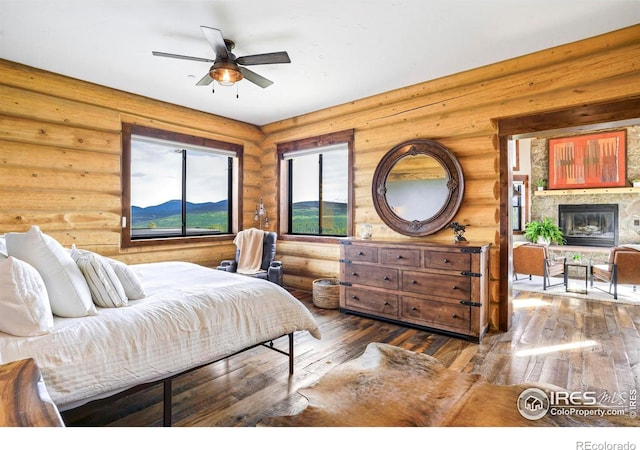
(519,206)
(176,185)
(316,179)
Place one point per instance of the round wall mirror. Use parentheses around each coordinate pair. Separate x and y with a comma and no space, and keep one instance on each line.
(418,187)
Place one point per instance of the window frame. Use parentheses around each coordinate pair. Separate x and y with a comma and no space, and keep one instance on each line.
(235,205)
(340,137)
(525,202)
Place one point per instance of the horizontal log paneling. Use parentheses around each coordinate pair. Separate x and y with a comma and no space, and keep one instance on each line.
(36,131)
(20,154)
(19,103)
(316,268)
(555,57)
(60,160)
(21,220)
(304,263)
(31,79)
(478,88)
(215,133)
(45,179)
(316,250)
(460,111)
(205,255)
(32,200)
(67,132)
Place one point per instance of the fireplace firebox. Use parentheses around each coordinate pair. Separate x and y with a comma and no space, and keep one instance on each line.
(589,225)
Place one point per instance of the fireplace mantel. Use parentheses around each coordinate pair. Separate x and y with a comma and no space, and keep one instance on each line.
(591,191)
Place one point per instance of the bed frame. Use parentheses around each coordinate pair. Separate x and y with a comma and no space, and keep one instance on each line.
(168,382)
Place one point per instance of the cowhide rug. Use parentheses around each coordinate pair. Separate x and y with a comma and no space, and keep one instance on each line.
(392,387)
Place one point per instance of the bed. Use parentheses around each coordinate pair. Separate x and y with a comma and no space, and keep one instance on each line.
(190,316)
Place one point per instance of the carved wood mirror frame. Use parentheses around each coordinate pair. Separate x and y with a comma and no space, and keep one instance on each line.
(455,185)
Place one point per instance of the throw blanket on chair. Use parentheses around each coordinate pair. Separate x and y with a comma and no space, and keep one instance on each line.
(249,244)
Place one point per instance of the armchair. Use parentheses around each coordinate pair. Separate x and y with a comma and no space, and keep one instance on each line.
(623,267)
(533,259)
(269,268)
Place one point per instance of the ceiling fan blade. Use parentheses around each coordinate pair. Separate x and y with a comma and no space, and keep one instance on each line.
(216,40)
(264,58)
(205,80)
(173,55)
(255,78)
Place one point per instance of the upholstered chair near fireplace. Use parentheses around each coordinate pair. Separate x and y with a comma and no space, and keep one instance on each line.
(534,259)
(623,267)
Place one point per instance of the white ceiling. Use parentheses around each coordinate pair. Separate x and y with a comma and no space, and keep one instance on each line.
(341,50)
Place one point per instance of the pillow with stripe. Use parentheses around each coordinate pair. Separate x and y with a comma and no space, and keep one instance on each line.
(106,289)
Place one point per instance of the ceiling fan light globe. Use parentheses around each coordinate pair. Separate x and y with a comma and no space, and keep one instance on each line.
(225,73)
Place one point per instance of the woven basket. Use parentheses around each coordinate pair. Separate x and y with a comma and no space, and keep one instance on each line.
(326,293)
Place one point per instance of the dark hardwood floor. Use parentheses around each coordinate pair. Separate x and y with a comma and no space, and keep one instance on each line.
(571,343)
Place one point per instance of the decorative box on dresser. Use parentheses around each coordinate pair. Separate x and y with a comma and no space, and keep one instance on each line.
(437,287)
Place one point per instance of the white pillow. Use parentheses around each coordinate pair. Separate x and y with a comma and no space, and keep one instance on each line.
(3,248)
(24,302)
(68,291)
(106,289)
(130,281)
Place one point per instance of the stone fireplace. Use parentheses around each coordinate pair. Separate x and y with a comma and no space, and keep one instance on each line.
(627,200)
(589,225)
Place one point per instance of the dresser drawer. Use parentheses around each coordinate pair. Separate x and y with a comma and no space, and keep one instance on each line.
(400,256)
(371,301)
(448,286)
(361,253)
(383,277)
(433,312)
(447,260)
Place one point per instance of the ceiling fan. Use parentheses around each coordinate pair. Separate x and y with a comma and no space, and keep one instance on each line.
(228,69)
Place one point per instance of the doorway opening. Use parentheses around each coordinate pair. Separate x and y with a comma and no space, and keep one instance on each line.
(622,112)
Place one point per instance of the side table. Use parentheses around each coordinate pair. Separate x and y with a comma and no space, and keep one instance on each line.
(24,401)
(580,266)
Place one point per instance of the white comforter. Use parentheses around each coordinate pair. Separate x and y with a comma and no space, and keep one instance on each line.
(191,315)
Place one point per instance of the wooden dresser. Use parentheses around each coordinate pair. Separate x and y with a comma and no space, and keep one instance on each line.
(431,286)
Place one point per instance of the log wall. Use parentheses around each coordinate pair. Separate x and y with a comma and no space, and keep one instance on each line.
(60,155)
(461,112)
(60,148)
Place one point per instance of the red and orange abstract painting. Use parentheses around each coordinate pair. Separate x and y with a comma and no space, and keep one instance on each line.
(588,161)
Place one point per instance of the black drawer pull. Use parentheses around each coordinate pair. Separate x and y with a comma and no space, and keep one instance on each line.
(399,257)
(354,274)
(386,303)
(355,297)
(414,282)
(413,308)
(454,288)
(454,315)
(386,278)
(446,261)
(360,254)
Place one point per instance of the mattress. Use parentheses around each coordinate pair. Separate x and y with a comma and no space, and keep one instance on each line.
(190,316)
